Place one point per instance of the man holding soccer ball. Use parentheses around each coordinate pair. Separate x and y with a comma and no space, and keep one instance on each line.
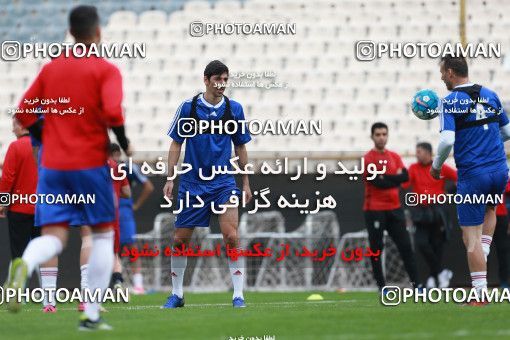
(474,122)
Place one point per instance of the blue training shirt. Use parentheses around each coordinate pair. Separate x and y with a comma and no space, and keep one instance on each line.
(477,149)
(203,151)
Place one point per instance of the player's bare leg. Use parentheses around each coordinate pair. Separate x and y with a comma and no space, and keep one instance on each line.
(229,222)
(476,260)
(488,227)
(40,250)
(182,236)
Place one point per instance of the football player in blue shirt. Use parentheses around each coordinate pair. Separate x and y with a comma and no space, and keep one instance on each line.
(475,124)
(205,149)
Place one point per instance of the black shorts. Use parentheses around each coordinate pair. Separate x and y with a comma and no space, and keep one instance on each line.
(21,231)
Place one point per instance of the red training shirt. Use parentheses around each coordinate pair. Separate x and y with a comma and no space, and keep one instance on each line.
(19,173)
(75,141)
(422,181)
(377,198)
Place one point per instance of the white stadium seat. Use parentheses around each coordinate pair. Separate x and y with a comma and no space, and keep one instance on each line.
(123,19)
(152,19)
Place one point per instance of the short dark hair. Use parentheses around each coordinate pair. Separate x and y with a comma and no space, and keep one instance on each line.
(458,65)
(215,68)
(378,125)
(83,21)
(425,146)
(114,147)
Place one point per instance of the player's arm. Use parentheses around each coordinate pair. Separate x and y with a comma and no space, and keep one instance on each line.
(8,174)
(382,182)
(444,148)
(242,153)
(379,181)
(120,133)
(240,139)
(505,132)
(400,177)
(111,99)
(175,147)
(446,141)
(504,126)
(173,157)
(147,188)
(125,189)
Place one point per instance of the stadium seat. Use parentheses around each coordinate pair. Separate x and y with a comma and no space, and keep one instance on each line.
(227,6)
(152,19)
(123,19)
(196,6)
(296,111)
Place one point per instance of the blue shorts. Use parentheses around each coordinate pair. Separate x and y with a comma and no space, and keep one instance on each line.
(191,217)
(494,183)
(95,181)
(127,222)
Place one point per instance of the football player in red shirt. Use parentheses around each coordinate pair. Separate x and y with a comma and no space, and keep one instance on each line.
(74,157)
(382,204)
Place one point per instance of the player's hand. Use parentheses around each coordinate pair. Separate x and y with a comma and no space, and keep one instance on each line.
(435,173)
(247,193)
(129,151)
(168,188)
(2,212)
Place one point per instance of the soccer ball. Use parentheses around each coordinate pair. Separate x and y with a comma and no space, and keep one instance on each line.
(425,104)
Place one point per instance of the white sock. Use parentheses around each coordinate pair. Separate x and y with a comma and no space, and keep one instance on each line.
(479,281)
(178,266)
(486,245)
(99,269)
(49,280)
(84,282)
(138,280)
(40,250)
(237,274)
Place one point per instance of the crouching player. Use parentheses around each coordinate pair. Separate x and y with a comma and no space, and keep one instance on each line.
(203,151)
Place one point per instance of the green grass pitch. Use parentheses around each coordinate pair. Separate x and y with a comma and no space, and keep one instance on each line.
(352,315)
